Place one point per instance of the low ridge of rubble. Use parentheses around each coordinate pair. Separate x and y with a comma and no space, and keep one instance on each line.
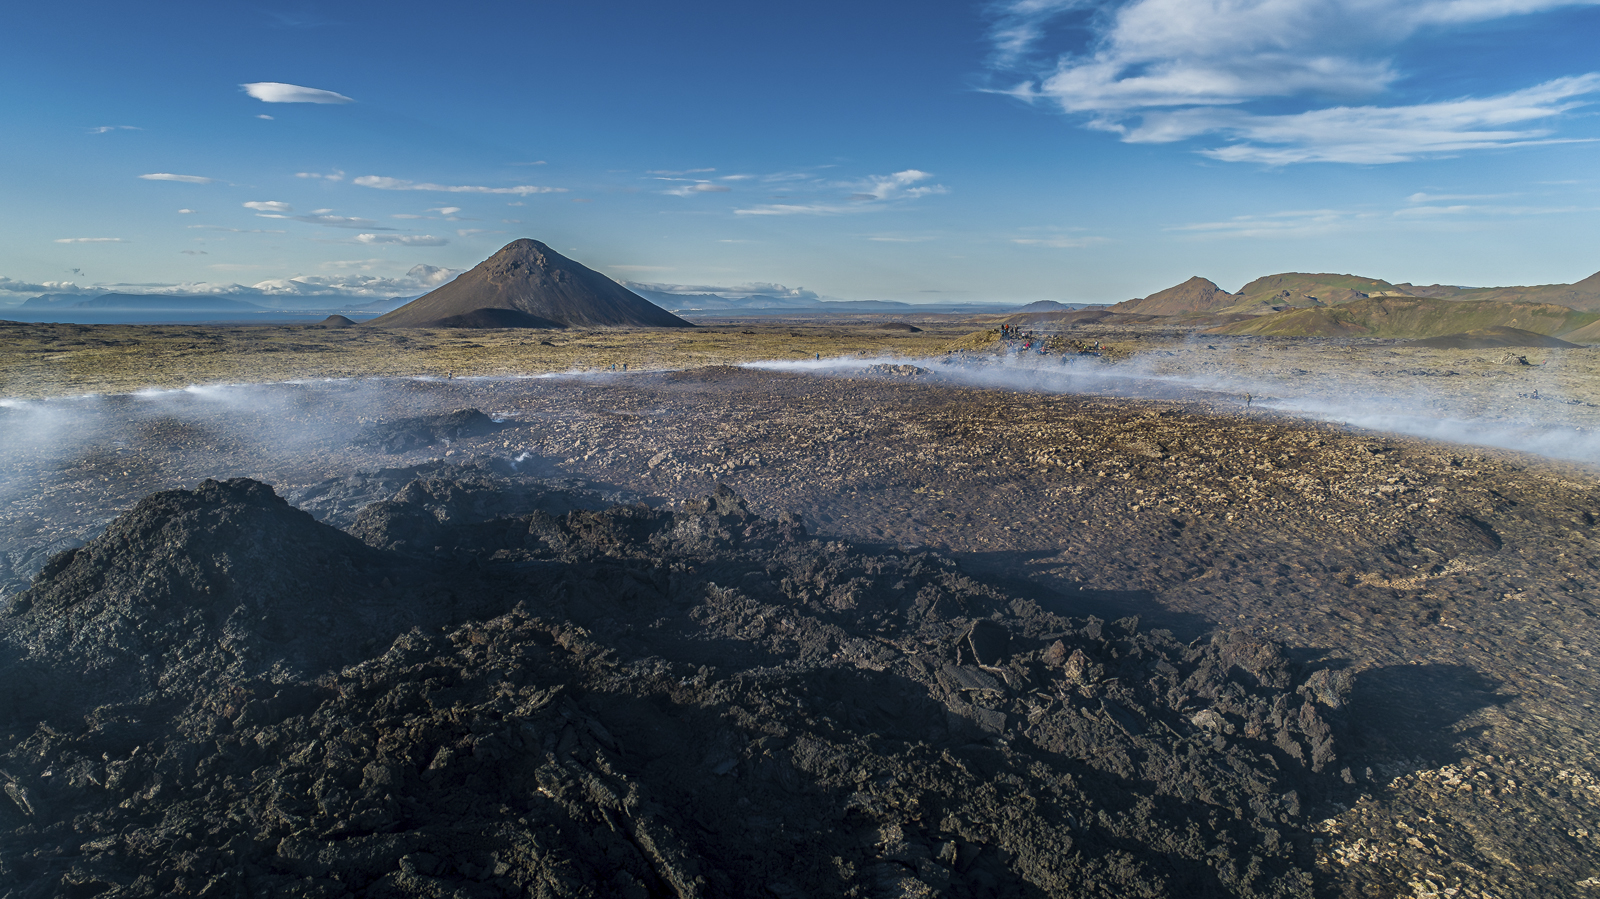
(485,688)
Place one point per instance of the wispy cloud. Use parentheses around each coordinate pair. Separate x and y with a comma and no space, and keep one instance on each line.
(1486,209)
(185,179)
(331,221)
(278,92)
(1421,197)
(382,183)
(1060,243)
(679,173)
(331,176)
(11,285)
(90,240)
(105,129)
(186,212)
(1285,224)
(268,206)
(1160,71)
(872,193)
(727,291)
(406,240)
(698,187)
(1373,134)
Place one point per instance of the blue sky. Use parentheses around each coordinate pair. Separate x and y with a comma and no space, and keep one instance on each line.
(936,151)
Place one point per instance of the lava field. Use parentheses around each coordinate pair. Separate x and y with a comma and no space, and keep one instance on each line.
(727,632)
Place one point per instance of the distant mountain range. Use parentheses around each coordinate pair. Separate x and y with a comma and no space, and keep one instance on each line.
(1322,304)
(766,304)
(1410,316)
(1298,290)
(252,306)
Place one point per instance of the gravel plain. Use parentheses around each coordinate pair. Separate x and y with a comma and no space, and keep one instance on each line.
(1280,488)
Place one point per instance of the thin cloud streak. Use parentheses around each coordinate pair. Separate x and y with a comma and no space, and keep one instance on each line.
(406,240)
(1162,71)
(380,182)
(184,179)
(278,92)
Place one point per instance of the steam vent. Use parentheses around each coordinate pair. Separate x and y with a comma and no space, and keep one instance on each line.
(529,285)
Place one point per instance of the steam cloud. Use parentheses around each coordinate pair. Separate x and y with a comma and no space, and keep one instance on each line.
(1539,419)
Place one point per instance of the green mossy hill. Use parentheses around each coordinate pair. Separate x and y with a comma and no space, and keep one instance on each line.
(1302,289)
(1413,317)
(1495,339)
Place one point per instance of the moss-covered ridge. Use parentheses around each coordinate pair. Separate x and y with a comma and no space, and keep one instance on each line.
(1412,317)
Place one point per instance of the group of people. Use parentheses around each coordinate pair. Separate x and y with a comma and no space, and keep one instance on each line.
(1031,342)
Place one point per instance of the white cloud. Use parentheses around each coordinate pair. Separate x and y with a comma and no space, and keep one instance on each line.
(1157,71)
(186,212)
(331,221)
(10,285)
(1060,243)
(1297,223)
(446,210)
(90,240)
(332,176)
(278,92)
(419,279)
(1420,197)
(383,183)
(1373,134)
(872,193)
(727,291)
(268,206)
(186,179)
(103,129)
(699,187)
(1468,209)
(408,240)
(896,186)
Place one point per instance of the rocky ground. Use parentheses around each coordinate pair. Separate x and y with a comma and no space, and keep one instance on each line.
(1381,649)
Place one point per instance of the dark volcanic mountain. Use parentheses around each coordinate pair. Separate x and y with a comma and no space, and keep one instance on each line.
(528,277)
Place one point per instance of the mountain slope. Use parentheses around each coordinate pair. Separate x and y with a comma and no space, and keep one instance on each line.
(1194,295)
(528,277)
(1413,317)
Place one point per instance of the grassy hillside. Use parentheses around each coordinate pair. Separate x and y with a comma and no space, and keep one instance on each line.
(1302,289)
(1413,317)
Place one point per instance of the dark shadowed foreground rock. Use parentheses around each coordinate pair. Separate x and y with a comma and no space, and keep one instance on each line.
(497,696)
